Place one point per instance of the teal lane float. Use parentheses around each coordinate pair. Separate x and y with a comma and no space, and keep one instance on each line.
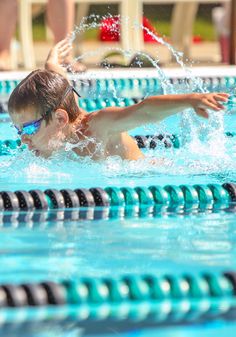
(153,83)
(159,299)
(124,87)
(9,146)
(197,196)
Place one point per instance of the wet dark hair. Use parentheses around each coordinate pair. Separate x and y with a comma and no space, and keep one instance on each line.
(44,90)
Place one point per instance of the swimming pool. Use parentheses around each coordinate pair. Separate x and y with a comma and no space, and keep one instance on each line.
(151,251)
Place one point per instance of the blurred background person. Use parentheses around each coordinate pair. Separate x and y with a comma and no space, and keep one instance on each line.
(221,19)
(8,18)
(60,18)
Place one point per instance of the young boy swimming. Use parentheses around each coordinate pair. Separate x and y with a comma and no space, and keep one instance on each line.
(44,111)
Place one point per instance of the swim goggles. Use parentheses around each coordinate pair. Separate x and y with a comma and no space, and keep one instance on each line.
(31,128)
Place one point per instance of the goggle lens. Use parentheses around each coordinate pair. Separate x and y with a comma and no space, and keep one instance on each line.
(29,129)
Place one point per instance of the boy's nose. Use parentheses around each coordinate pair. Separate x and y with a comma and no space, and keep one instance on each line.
(25,139)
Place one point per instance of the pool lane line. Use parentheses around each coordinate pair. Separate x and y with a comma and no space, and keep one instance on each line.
(119,201)
(159,299)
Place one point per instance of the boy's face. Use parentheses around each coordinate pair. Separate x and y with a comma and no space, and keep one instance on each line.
(45,140)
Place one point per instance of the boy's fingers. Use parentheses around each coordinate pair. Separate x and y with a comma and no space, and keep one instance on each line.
(65,45)
(61,43)
(202,112)
(224,94)
(213,100)
(68,49)
(220,106)
(69,36)
(64,54)
(64,51)
(223,98)
(216,103)
(212,106)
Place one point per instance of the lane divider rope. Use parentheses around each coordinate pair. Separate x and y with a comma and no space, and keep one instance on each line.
(152,86)
(198,196)
(6,86)
(163,298)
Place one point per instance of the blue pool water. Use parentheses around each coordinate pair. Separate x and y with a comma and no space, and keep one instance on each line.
(172,242)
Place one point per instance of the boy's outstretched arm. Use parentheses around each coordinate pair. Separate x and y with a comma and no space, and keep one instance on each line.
(154,109)
(57,56)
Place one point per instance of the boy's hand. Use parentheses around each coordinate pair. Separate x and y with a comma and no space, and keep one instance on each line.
(202,102)
(57,56)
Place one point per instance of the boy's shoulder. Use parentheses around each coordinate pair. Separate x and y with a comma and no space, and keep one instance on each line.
(98,122)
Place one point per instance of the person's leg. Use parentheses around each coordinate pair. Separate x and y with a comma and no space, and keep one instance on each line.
(8,18)
(221,19)
(60,16)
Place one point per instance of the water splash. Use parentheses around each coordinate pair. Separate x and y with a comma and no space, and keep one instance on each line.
(204,148)
(160,166)
(190,123)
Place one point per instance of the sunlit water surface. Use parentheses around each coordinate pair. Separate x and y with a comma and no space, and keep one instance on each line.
(170,243)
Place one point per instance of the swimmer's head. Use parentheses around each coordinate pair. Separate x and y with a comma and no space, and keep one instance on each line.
(42,108)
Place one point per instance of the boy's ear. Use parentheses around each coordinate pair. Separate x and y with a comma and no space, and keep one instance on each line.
(61,118)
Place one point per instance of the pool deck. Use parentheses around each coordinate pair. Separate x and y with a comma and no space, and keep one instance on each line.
(174,73)
(202,54)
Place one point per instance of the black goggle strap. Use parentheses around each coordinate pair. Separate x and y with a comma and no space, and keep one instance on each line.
(69,88)
(75,91)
